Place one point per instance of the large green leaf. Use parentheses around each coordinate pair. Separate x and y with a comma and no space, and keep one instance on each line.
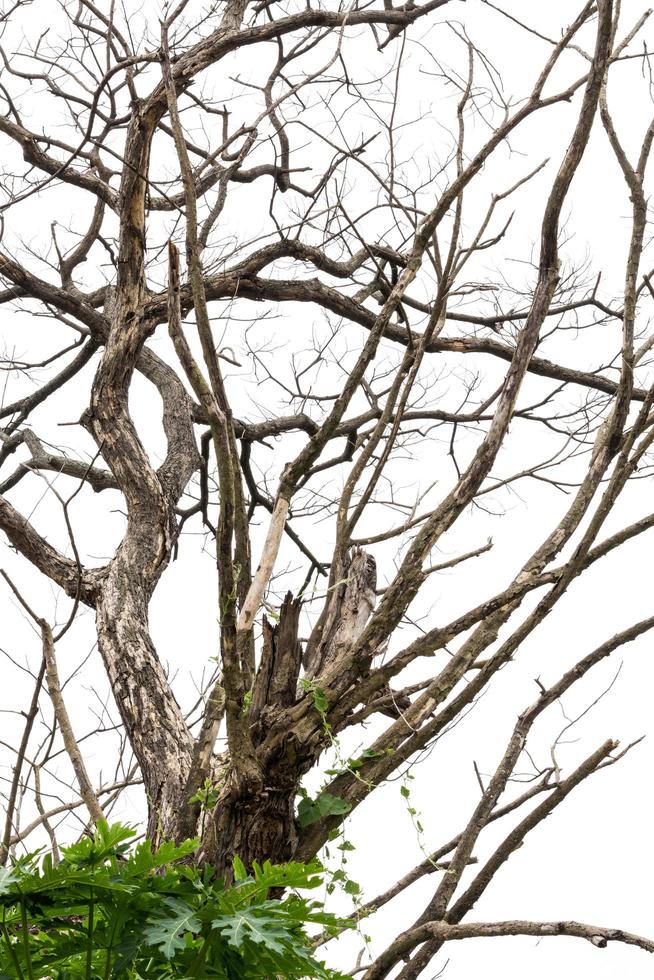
(166,932)
(107,841)
(254,926)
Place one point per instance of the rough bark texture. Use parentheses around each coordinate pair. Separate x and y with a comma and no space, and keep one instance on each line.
(263,824)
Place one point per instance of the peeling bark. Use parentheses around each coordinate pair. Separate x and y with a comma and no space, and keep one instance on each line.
(346,612)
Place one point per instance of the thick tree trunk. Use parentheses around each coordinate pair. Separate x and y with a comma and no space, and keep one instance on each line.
(152,718)
(262,825)
(256,829)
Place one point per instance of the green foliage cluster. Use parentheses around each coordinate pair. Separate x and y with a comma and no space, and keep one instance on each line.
(109,909)
(311,811)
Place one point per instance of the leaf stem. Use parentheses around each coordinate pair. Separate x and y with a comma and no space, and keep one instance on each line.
(26,941)
(89,947)
(10,948)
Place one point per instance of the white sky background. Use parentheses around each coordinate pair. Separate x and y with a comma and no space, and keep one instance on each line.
(593,860)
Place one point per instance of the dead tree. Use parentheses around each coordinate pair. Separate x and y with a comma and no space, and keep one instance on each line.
(275,147)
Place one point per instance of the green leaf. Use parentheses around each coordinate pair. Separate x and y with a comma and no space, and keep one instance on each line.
(143,859)
(166,932)
(325,805)
(207,796)
(240,871)
(107,841)
(7,879)
(252,926)
(320,700)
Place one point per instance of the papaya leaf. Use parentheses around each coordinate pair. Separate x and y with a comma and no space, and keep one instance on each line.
(166,932)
